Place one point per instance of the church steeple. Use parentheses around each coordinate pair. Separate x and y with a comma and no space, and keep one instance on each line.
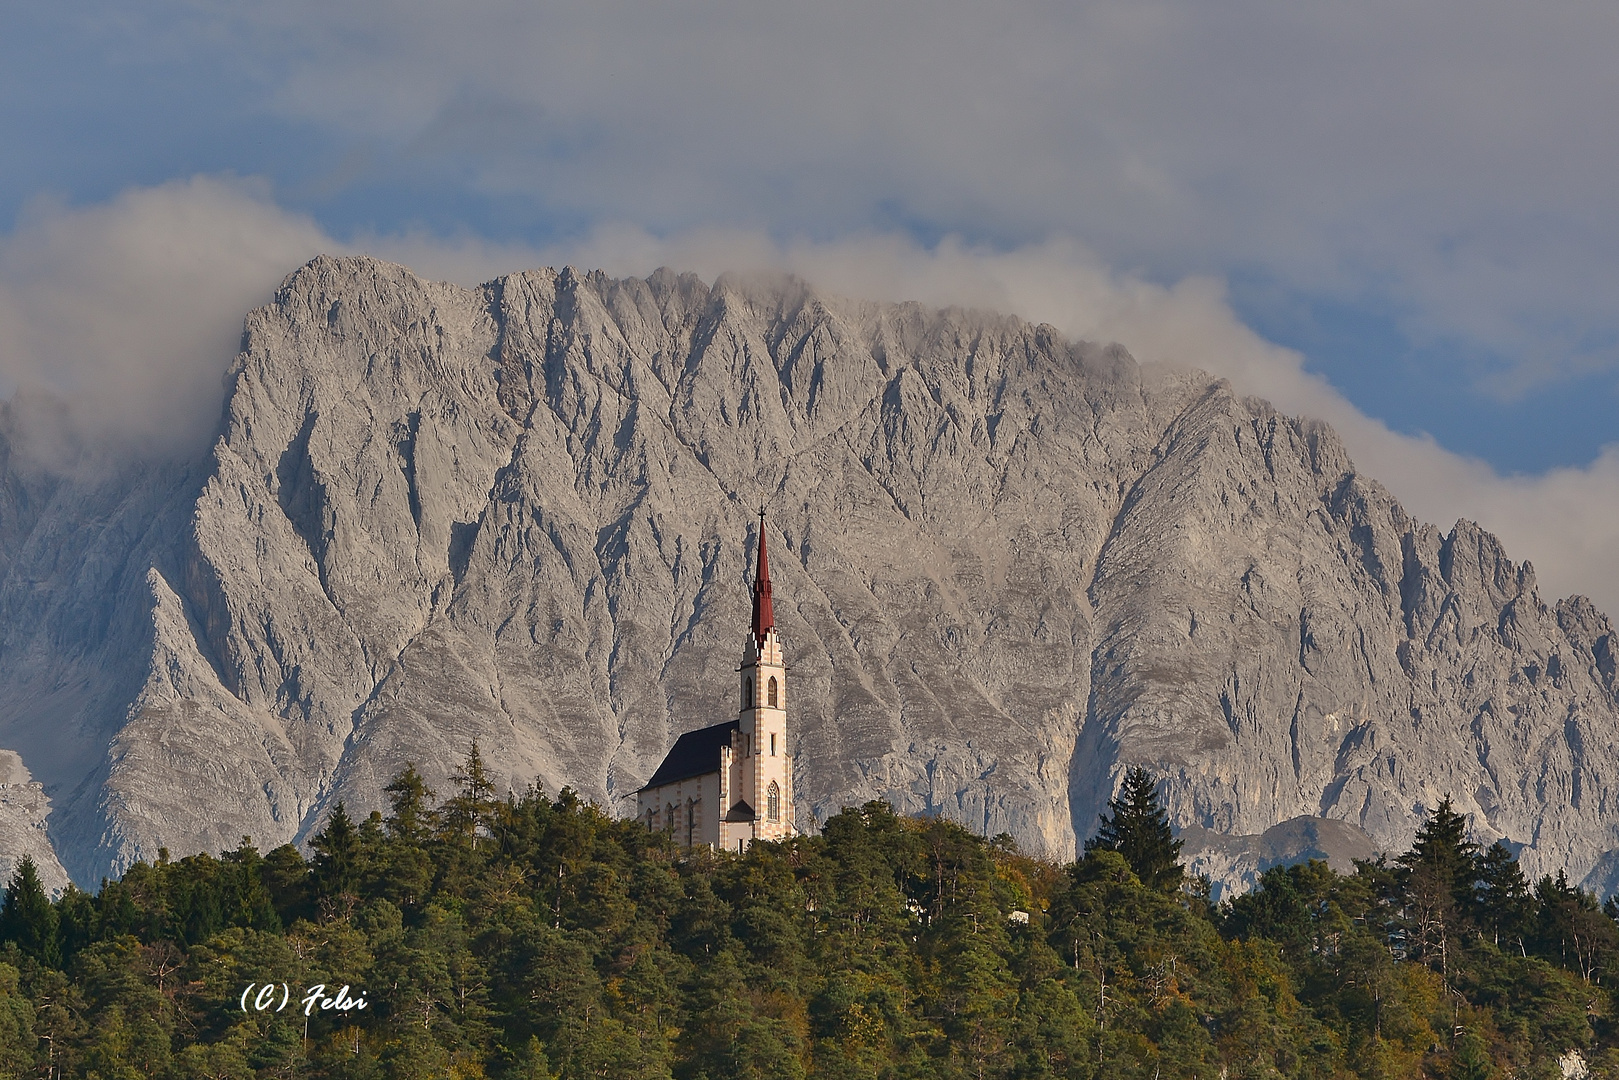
(763,793)
(764,616)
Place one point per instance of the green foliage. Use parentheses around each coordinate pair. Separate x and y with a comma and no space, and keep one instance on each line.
(1442,963)
(16,1026)
(339,857)
(540,938)
(28,917)
(1503,905)
(1437,880)
(1137,827)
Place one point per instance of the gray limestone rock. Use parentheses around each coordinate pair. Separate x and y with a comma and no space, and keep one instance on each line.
(1233,863)
(1007,567)
(24,809)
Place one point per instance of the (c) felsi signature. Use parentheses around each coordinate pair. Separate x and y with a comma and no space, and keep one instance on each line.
(315,997)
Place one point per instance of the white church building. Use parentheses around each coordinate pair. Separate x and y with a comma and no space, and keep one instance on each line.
(731,784)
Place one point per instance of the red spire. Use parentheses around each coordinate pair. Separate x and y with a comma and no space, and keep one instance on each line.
(764,617)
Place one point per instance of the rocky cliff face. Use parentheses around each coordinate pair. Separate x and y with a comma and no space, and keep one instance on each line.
(1006,567)
(24,810)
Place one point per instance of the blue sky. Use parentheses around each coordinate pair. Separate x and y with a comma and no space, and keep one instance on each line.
(1415,198)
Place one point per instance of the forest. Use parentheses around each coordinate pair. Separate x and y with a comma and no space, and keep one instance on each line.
(541,937)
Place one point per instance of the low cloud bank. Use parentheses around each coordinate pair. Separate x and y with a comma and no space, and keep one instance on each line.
(117,322)
(1430,158)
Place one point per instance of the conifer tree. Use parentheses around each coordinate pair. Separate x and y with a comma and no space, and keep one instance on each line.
(1443,850)
(407,873)
(1572,928)
(286,877)
(1505,909)
(408,798)
(247,900)
(28,917)
(1137,827)
(337,855)
(17,1038)
(470,810)
(1439,880)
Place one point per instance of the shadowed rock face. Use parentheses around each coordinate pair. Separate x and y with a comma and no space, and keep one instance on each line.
(1009,566)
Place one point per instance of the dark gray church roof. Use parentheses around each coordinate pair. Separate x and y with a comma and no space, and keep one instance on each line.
(693,754)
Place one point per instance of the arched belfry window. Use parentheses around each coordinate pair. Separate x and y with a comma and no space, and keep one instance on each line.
(773,802)
(747,692)
(773,697)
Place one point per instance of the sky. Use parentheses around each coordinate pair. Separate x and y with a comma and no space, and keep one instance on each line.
(1398,217)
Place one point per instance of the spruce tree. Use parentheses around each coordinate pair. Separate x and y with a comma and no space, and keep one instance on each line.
(1438,879)
(468,813)
(408,799)
(337,855)
(407,874)
(1137,827)
(1505,908)
(28,917)
(1443,851)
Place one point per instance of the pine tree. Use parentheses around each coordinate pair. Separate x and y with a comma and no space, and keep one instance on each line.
(247,901)
(17,1038)
(1137,827)
(468,812)
(406,873)
(337,855)
(286,876)
(1572,928)
(1504,909)
(1443,850)
(408,797)
(28,917)
(1439,880)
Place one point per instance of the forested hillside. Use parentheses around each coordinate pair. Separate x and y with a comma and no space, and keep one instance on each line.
(541,937)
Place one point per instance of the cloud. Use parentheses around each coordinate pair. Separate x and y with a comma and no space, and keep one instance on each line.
(1432,178)
(117,322)
(1439,157)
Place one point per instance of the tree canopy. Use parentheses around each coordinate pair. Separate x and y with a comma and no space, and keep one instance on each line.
(537,936)
(1136,825)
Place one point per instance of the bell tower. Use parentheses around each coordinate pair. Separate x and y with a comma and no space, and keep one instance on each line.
(767,775)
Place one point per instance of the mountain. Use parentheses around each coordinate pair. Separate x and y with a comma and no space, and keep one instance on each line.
(1007,566)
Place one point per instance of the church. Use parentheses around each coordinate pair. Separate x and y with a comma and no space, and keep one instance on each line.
(730,784)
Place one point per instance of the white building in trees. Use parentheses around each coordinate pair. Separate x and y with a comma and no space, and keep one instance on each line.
(732,783)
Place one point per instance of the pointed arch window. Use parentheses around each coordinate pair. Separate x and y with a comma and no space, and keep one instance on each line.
(747,692)
(773,802)
(773,693)
(691,821)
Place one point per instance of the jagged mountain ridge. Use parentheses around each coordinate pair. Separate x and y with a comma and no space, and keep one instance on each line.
(1008,566)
